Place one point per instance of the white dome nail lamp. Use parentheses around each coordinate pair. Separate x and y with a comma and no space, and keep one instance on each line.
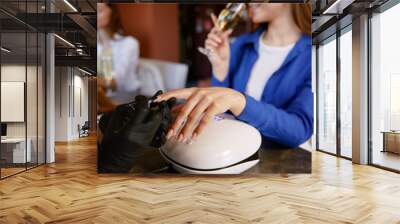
(226,146)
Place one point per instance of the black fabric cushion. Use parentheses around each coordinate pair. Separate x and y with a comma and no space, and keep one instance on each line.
(131,132)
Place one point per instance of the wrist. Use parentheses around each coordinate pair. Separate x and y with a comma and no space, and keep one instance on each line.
(220,72)
(239,103)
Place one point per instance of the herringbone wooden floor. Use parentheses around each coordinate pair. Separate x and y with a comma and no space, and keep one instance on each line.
(70,191)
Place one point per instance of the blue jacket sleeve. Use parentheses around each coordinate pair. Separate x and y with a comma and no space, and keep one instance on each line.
(291,126)
(224,83)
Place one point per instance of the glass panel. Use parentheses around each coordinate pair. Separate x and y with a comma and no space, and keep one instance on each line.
(346,94)
(327,97)
(385,84)
(23,82)
(13,86)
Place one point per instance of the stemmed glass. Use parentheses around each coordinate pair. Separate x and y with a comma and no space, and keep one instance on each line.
(227,19)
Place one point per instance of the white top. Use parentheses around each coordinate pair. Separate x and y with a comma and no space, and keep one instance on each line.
(269,60)
(125,56)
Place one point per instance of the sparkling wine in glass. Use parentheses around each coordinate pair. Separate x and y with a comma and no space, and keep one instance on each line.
(105,58)
(228,18)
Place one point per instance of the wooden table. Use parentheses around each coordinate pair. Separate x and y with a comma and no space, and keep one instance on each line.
(273,159)
(391,141)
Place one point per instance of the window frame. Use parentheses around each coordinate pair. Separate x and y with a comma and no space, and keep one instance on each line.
(334,37)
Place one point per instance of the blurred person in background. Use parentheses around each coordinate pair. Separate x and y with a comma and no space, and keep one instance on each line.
(117,81)
(263,78)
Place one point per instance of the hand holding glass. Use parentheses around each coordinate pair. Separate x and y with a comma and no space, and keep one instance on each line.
(227,19)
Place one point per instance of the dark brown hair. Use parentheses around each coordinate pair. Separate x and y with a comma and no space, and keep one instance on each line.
(115,25)
(302,16)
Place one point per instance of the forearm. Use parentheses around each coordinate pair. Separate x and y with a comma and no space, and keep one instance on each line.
(287,127)
(220,72)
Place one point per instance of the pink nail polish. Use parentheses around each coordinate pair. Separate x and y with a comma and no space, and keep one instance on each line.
(189,141)
(170,133)
(180,139)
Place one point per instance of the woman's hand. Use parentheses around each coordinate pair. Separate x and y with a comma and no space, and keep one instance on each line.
(104,84)
(105,104)
(201,105)
(218,42)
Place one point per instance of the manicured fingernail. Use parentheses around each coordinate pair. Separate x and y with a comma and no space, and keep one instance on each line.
(180,139)
(194,136)
(170,133)
(189,141)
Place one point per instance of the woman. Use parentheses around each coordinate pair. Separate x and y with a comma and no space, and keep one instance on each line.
(263,78)
(124,52)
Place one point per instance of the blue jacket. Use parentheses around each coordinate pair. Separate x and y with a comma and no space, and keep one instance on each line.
(285,113)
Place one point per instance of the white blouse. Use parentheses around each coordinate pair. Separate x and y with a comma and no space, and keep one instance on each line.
(269,61)
(125,56)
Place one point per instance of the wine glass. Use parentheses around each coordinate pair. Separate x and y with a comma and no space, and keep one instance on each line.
(227,19)
(105,58)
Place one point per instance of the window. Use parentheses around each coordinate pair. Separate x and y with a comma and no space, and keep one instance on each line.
(346,93)
(385,89)
(327,96)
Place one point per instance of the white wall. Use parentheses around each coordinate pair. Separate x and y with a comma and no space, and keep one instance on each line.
(17,73)
(71,94)
(14,73)
(61,104)
(81,104)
